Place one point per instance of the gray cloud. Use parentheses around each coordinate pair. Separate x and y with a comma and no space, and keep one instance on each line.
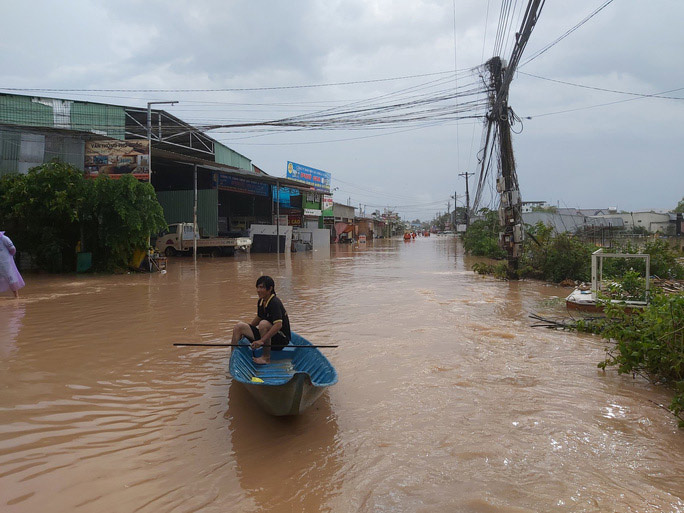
(589,157)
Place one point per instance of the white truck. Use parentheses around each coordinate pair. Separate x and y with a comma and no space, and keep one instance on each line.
(179,239)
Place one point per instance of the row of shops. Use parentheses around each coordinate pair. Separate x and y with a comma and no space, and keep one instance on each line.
(192,173)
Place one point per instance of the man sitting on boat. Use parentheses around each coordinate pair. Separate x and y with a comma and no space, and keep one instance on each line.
(271,326)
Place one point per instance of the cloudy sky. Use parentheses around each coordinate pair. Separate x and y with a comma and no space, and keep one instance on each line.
(589,136)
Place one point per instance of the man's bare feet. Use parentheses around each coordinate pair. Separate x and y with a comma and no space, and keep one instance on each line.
(261,360)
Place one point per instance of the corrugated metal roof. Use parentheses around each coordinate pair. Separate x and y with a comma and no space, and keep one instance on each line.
(225,155)
(33,111)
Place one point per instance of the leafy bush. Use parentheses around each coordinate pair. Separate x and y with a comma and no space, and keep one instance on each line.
(121,215)
(482,236)
(555,257)
(546,255)
(499,270)
(41,211)
(649,342)
(53,207)
(663,261)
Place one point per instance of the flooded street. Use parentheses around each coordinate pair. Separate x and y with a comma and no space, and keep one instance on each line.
(447,399)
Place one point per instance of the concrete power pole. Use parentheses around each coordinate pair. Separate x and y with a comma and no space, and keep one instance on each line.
(510,208)
(499,118)
(467,212)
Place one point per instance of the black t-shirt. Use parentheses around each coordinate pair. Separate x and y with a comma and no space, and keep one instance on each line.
(272,310)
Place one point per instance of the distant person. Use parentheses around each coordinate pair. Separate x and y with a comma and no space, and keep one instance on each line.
(271,326)
(10,279)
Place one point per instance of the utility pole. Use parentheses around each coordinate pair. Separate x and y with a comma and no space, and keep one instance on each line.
(499,119)
(467,212)
(149,135)
(510,206)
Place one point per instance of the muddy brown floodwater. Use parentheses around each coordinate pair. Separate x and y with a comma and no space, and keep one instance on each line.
(447,399)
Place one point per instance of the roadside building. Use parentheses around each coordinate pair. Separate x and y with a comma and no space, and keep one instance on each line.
(530,206)
(651,221)
(364,226)
(233,195)
(344,222)
(572,221)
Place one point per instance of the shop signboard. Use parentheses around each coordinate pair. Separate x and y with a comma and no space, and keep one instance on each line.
(312,212)
(319,180)
(242,185)
(114,158)
(327,206)
(294,220)
(285,195)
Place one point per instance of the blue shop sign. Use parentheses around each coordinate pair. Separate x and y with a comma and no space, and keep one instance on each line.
(319,180)
(242,185)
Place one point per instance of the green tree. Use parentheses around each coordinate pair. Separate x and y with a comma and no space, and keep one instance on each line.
(554,256)
(680,206)
(42,208)
(121,216)
(53,207)
(482,236)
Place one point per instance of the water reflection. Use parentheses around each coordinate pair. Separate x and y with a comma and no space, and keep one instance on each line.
(291,463)
(11,316)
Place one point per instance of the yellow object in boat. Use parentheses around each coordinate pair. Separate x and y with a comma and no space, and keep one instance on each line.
(257,380)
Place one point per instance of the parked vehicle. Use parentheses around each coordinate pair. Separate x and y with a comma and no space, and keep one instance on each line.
(179,239)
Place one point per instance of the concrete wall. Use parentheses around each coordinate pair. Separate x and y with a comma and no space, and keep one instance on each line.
(319,237)
(270,229)
(342,212)
(652,221)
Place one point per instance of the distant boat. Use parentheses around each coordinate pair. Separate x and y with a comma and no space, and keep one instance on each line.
(292,382)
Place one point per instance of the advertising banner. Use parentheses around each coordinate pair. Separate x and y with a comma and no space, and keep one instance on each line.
(242,185)
(319,180)
(286,197)
(114,158)
(327,206)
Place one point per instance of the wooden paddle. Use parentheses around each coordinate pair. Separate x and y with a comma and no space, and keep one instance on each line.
(238,345)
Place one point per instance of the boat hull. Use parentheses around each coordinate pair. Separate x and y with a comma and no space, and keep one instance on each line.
(292,398)
(582,301)
(291,383)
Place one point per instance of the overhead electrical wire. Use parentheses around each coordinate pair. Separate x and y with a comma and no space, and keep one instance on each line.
(603,89)
(227,89)
(566,34)
(408,107)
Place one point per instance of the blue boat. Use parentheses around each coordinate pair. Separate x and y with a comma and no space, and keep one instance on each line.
(292,382)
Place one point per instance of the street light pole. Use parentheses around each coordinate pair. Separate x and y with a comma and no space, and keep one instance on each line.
(149,135)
